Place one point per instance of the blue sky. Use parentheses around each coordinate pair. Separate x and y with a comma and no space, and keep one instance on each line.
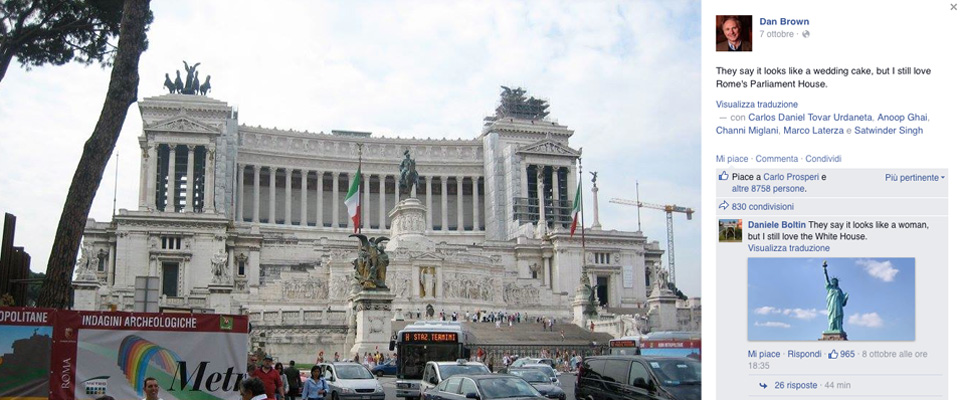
(787,298)
(11,333)
(625,76)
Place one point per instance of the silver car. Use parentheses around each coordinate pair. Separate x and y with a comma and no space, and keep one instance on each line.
(351,381)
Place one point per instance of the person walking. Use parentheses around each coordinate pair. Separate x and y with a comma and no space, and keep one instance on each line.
(316,387)
(270,378)
(293,380)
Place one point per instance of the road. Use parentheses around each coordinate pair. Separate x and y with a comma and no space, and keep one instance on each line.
(390,387)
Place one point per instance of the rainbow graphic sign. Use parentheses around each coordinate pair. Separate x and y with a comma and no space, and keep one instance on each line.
(136,353)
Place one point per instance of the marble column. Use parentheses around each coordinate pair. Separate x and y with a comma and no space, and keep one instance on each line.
(171,180)
(443,204)
(524,192)
(240,170)
(152,176)
(335,201)
(429,190)
(365,208)
(542,221)
(555,195)
(476,202)
(288,190)
(272,215)
(572,183)
(256,194)
(383,201)
(459,180)
(190,181)
(144,167)
(596,209)
(209,184)
(319,199)
(303,197)
(396,190)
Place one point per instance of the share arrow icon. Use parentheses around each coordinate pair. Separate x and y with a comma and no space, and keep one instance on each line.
(763,385)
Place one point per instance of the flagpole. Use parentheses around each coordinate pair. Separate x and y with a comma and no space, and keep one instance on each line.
(583,237)
(360,190)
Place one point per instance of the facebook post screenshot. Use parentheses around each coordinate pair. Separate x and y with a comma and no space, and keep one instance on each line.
(828,135)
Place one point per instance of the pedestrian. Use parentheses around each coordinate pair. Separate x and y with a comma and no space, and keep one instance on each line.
(293,380)
(316,387)
(592,325)
(252,389)
(544,325)
(320,357)
(270,378)
(280,394)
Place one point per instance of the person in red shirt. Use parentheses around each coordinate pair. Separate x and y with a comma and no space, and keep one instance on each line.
(270,377)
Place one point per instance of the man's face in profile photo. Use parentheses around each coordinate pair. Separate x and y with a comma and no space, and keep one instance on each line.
(731,29)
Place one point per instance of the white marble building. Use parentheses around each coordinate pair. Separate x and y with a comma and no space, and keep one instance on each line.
(235,218)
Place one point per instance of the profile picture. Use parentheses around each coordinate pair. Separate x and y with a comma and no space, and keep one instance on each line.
(730,230)
(834,299)
(734,32)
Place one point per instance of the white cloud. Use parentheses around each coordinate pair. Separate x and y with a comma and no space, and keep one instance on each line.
(805,314)
(772,324)
(882,270)
(869,320)
(798,313)
(765,310)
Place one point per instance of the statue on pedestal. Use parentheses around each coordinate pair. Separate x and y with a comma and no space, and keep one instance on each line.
(370,266)
(408,174)
(836,300)
(192,84)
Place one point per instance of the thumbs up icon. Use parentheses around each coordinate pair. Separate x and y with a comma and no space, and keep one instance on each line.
(723,176)
(833,355)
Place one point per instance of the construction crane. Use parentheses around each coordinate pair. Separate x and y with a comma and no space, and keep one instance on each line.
(669,209)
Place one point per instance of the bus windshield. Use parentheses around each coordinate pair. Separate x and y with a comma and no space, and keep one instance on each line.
(413,357)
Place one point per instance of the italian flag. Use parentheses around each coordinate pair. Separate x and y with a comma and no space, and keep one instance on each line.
(575,210)
(353,201)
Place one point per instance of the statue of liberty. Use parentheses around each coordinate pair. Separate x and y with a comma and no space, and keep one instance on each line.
(836,300)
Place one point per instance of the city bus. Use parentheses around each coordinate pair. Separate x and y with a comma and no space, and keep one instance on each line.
(424,341)
(675,344)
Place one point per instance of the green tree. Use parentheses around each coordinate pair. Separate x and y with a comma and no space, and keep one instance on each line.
(121,93)
(39,32)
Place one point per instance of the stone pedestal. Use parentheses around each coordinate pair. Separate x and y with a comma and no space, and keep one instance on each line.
(408,228)
(833,336)
(220,298)
(374,310)
(85,293)
(582,311)
(664,303)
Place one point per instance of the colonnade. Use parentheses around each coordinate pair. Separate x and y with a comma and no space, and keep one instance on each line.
(311,184)
(164,195)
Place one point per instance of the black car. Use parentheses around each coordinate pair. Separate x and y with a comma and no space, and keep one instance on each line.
(638,377)
(482,387)
(540,381)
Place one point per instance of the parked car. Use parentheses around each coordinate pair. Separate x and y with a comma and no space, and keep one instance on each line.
(638,377)
(544,384)
(528,360)
(436,371)
(351,381)
(482,387)
(551,373)
(387,368)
